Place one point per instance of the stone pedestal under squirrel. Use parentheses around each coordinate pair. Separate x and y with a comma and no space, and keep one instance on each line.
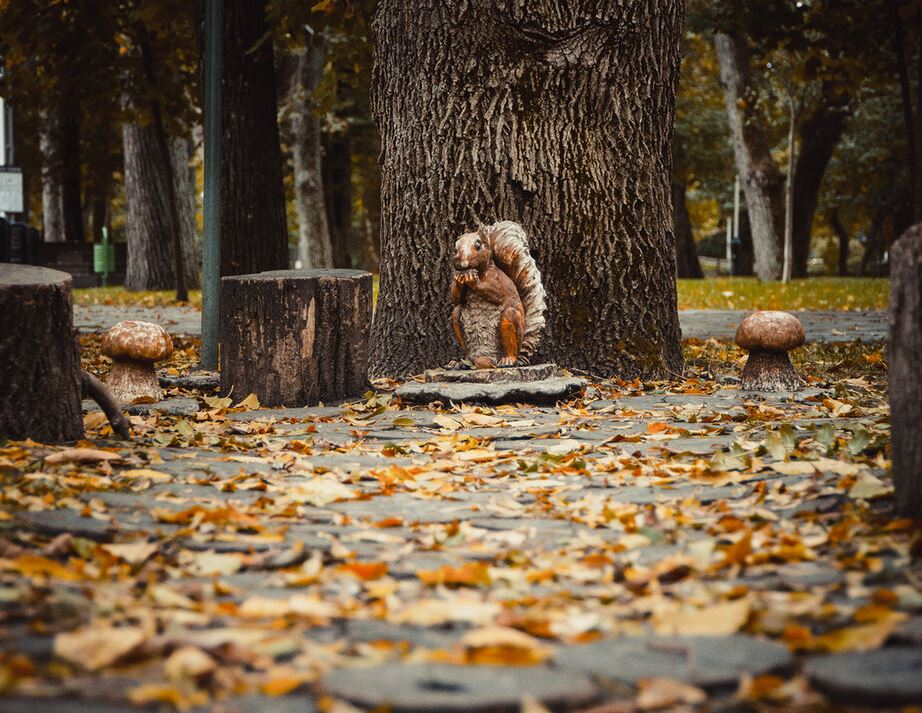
(498,298)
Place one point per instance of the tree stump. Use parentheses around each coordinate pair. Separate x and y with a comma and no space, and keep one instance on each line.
(39,362)
(295,337)
(905,370)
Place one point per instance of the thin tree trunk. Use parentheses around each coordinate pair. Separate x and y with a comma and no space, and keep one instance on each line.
(71,197)
(835,222)
(314,248)
(254,234)
(525,131)
(154,220)
(917,142)
(871,246)
(337,190)
(687,263)
(789,196)
(370,180)
(761,179)
(902,65)
(819,135)
(52,203)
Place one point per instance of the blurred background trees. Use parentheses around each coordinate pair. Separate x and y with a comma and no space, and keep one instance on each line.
(107,129)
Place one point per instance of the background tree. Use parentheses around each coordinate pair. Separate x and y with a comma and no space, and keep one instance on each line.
(564,124)
(254,233)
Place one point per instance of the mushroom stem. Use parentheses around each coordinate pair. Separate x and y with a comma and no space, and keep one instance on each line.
(769,371)
(134,382)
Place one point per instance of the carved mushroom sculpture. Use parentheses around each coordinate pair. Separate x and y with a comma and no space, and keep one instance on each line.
(768,336)
(135,347)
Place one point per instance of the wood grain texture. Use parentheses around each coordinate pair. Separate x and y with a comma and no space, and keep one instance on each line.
(295,338)
(555,115)
(39,365)
(905,370)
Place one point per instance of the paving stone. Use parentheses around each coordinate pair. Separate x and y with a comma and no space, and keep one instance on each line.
(888,676)
(708,661)
(177,406)
(56,522)
(805,575)
(548,391)
(440,688)
(408,508)
(309,412)
(365,630)
(910,632)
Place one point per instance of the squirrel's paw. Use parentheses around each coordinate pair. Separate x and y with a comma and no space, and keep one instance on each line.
(506,361)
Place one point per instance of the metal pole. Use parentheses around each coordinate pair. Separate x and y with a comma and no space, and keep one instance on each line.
(211,243)
(736,206)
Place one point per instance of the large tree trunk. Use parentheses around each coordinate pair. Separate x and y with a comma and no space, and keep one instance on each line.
(314,248)
(762,181)
(872,245)
(156,193)
(254,234)
(687,264)
(337,190)
(39,364)
(819,136)
(556,116)
(905,377)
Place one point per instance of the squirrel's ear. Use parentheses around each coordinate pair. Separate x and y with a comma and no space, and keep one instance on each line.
(483,231)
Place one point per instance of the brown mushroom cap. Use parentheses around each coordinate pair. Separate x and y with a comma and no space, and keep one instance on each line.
(137,341)
(771,331)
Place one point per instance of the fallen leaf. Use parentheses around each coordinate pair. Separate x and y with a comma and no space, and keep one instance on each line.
(82,455)
(720,619)
(666,692)
(132,553)
(97,647)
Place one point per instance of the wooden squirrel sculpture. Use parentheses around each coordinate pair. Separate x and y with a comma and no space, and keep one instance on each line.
(498,298)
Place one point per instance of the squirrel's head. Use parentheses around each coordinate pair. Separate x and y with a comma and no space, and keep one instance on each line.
(472,253)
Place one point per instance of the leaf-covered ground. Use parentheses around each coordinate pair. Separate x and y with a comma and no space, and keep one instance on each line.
(815,293)
(249,559)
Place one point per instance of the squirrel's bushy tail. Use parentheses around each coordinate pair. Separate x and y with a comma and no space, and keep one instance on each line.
(509,245)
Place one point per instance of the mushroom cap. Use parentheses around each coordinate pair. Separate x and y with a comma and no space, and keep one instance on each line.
(771,331)
(137,341)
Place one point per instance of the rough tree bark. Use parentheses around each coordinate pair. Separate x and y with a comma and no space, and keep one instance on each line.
(62,216)
(39,364)
(71,194)
(819,135)
(254,234)
(295,337)
(905,377)
(156,193)
(558,116)
(687,263)
(314,248)
(762,181)
(337,190)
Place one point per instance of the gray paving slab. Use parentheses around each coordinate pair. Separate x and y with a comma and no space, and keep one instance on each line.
(888,676)
(707,661)
(439,688)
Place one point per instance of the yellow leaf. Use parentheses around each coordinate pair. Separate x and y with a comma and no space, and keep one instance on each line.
(250,403)
(157,693)
(470,573)
(132,553)
(720,619)
(187,664)
(82,455)
(217,401)
(666,692)
(149,474)
(33,565)
(447,422)
(97,647)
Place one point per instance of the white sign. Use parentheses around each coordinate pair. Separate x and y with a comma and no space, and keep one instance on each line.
(11,191)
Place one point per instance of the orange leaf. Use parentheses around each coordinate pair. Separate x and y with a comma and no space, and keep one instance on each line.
(365,570)
(471,574)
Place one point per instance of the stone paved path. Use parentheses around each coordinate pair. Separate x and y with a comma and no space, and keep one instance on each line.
(825,326)
(355,551)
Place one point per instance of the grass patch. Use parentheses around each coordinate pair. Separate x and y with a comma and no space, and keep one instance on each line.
(823,293)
